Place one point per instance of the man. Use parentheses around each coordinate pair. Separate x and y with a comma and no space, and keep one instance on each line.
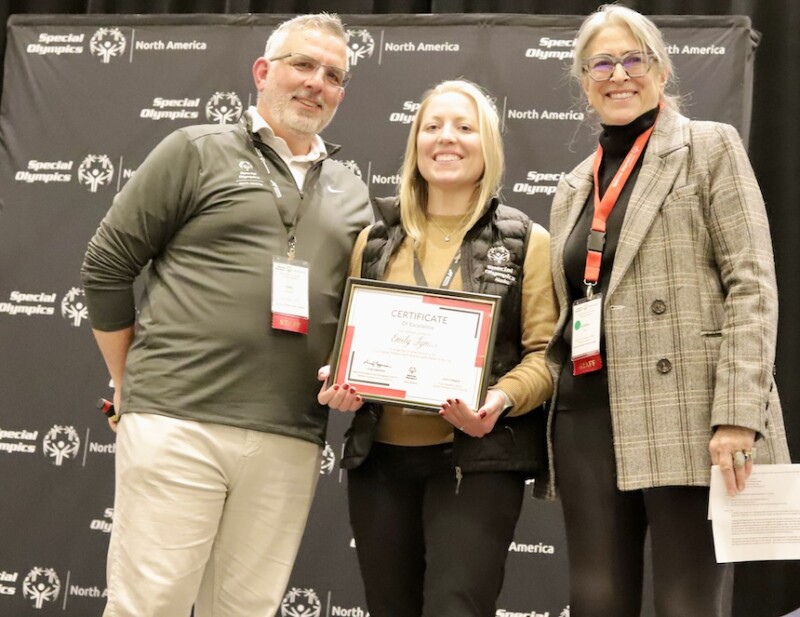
(248,231)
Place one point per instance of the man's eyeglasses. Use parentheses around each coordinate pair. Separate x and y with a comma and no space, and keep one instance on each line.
(306,65)
(602,66)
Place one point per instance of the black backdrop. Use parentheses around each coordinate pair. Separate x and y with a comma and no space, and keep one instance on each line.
(763,590)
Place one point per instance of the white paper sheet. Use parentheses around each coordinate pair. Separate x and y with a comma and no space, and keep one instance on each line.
(762,522)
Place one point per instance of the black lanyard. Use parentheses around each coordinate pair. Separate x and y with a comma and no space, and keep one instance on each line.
(291,227)
(419,277)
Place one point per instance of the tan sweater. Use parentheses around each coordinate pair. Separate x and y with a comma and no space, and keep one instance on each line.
(528,384)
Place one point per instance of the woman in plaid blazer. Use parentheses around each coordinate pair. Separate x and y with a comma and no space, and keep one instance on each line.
(672,258)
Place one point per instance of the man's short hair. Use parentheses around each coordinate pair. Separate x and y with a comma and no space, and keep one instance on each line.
(325,22)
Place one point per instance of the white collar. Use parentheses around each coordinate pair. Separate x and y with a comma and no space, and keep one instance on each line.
(259,125)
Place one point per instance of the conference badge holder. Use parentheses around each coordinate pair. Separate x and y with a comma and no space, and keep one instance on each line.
(587,315)
(290,294)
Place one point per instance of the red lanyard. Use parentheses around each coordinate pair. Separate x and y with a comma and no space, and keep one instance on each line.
(603,207)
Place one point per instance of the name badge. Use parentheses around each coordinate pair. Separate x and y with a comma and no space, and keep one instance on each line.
(587,314)
(290,295)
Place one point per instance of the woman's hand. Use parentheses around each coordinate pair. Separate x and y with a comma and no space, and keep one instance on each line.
(725,445)
(474,423)
(340,397)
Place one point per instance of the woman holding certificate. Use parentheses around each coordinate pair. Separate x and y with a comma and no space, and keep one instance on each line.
(434,497)
(664,349)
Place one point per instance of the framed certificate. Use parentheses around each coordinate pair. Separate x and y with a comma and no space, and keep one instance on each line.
(412,346)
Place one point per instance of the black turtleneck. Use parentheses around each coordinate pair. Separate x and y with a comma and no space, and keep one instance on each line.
(617,142)
(591,389)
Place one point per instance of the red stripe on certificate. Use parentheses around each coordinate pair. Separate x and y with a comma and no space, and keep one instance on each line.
(344,357)
(472,307)
(379,391)
(465,305)
(481,357)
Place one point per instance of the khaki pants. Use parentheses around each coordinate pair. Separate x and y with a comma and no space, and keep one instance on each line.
(205,514)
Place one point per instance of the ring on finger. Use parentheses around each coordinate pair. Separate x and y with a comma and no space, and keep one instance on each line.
(740,457)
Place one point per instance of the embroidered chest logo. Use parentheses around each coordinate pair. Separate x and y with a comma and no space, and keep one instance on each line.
(499,255)
(248,176)
(498,268)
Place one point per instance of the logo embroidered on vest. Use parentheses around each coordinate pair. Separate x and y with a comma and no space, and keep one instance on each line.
(498,257)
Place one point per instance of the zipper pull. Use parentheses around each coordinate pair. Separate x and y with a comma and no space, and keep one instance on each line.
(459,475)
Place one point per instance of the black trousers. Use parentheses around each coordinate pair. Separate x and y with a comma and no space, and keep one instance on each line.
(428,545)
(606,531)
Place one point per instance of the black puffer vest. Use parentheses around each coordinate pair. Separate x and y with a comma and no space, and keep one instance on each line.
(492,258)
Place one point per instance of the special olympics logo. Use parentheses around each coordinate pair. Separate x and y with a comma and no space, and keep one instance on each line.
(73,307)
(107,43)
(224,108)
(301,603)
(245,165)
(360,45)
(352,166)
(328,460)
(499,255)
(61,443)
(41,585)
(95,170)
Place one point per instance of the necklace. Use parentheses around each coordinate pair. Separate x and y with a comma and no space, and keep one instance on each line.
(449,234)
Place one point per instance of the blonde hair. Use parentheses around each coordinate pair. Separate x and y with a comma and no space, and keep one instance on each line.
(324,22)
(646,33)
(413,188)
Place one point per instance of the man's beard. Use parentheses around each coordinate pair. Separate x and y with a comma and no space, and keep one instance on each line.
(292,118)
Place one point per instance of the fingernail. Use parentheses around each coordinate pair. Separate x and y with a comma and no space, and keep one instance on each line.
(336,387)
(358,399)
(482,415)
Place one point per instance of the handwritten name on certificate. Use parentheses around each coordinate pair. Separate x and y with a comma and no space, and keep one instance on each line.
(762,522)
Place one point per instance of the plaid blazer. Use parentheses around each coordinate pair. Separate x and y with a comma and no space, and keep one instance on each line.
(691,311)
